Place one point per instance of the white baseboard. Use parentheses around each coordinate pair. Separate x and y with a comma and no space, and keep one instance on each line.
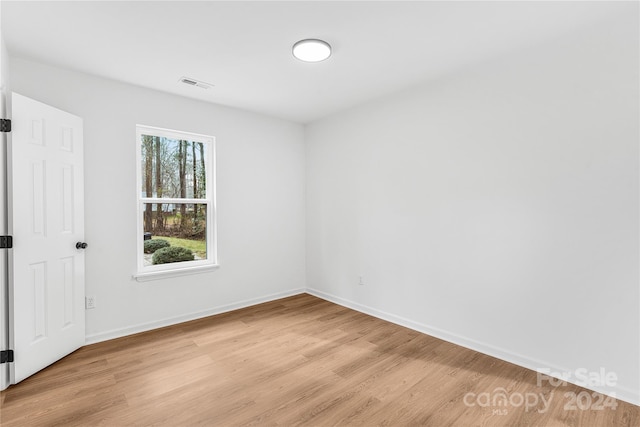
(130,330)
(622,393)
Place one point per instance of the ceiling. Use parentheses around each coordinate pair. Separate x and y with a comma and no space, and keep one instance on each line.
(244,48)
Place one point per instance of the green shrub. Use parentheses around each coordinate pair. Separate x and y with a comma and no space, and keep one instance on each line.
(172,254)
(150,246)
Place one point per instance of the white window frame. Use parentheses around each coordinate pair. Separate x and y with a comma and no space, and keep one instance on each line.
(152,272)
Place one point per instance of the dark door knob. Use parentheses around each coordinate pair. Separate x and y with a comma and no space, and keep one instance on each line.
(81,245)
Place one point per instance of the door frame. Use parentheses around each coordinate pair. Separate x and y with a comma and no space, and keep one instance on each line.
(5,317)
(4,215)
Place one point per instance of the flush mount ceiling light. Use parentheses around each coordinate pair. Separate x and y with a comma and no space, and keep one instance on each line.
(311,50)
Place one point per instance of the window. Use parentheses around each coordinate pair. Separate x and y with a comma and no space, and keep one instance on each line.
(176,208)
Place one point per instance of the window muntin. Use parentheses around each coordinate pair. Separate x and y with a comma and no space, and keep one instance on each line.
(175,200)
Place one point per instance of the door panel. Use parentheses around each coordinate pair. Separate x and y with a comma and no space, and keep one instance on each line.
(47,219)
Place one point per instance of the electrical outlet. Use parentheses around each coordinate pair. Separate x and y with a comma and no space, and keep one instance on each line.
(90,302)
(360,281)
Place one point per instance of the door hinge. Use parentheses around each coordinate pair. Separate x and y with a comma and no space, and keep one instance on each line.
(6,242)
(6,356)
(5,125)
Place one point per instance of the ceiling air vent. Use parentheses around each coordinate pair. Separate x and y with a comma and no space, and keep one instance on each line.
(193,82)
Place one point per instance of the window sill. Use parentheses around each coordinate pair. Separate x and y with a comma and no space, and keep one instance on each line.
(185,271)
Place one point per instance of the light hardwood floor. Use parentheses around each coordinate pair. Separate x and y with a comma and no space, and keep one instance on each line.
(295,361)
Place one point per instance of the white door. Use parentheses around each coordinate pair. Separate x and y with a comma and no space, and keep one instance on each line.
(46,216)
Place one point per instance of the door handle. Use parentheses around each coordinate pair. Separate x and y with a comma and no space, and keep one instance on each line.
(81,245)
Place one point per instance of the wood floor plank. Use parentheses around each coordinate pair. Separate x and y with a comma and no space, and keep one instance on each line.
(295,361)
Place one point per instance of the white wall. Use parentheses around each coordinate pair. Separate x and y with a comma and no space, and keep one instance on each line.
(260,199)
(496,208)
